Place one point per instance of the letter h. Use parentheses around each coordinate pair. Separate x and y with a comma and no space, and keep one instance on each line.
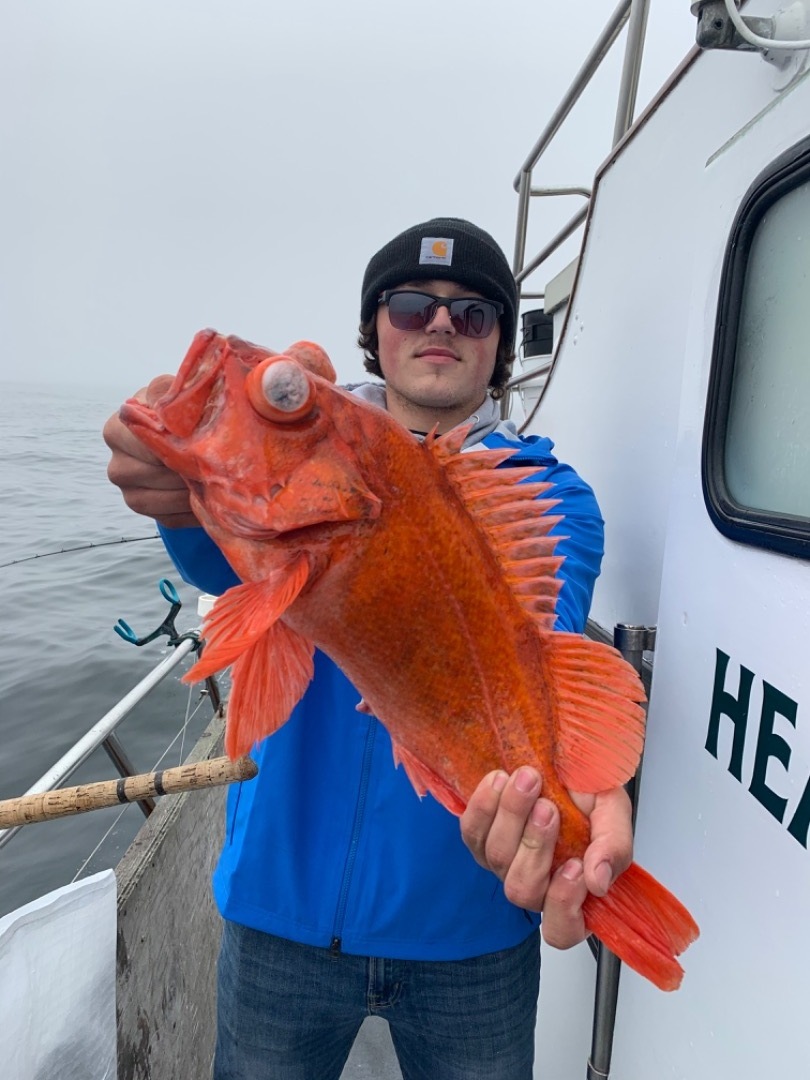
(736,709)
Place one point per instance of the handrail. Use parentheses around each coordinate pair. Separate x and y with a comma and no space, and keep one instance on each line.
(81,750)
(635,13)
(522,182)
(570,227)
(631,68)
(527,376)
(612,29)
(546,191)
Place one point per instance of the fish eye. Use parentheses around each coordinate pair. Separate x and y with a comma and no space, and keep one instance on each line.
(280,390)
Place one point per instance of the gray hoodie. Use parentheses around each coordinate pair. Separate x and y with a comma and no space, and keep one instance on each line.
(485,421)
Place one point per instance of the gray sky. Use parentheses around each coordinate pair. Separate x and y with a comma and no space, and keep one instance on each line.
(174,164)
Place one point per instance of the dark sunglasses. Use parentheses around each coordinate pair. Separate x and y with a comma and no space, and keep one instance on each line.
(409,310)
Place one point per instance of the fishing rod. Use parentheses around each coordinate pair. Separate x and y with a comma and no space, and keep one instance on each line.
(27,809)
(81,547)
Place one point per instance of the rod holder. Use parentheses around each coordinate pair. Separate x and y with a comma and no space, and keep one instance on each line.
(715,30)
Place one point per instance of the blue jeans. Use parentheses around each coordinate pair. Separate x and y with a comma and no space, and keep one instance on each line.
(291,1012)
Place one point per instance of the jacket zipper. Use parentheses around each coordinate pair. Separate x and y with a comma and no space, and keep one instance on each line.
(354,841)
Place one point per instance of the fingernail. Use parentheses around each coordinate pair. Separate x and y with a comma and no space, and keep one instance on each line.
(526,780)
(603,876)
(499,780)
(541,815)
(572,871)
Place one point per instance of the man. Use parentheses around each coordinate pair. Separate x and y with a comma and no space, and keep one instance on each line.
(342,893)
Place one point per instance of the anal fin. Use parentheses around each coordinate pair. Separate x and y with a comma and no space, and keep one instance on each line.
(425,780)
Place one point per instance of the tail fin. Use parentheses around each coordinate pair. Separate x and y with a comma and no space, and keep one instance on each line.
(644,924)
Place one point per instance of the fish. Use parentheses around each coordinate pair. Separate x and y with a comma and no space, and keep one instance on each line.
(428,575)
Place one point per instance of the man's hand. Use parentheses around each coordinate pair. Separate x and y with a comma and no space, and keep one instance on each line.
(147,485)
(512,831)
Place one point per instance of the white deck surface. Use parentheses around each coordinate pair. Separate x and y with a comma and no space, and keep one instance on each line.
(372,1057)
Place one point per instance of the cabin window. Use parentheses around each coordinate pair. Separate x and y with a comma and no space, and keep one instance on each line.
(756,452)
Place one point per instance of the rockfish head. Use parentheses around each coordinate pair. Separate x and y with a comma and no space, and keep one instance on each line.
(260,439)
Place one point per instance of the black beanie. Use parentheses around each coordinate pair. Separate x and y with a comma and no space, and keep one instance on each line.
(449,249)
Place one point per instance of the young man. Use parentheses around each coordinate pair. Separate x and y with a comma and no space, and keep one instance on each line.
(342,893)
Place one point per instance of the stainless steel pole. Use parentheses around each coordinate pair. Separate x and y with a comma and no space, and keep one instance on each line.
(631,69)
(632,642)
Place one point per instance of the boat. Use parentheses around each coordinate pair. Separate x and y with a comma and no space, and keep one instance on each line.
(666,359)
(678,383)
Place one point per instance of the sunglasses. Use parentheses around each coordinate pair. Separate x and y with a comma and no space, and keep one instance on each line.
(409,310)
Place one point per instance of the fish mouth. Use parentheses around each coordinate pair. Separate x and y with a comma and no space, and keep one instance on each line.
(242,527)
(299,532)
(246,529)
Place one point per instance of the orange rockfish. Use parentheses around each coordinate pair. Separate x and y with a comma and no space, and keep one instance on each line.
(427,575)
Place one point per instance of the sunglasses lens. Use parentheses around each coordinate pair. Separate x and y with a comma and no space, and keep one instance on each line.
(414,310)
(473,318)
(410,310)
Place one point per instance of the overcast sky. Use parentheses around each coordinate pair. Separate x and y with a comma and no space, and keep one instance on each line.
(173,164)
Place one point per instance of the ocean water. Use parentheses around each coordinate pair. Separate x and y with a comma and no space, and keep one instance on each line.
(61,665)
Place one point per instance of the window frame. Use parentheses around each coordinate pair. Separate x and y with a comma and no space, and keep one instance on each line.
(785,533)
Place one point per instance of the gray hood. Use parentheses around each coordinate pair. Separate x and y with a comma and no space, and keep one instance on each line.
(485,421)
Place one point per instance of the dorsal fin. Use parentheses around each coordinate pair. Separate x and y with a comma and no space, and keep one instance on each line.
(512,514)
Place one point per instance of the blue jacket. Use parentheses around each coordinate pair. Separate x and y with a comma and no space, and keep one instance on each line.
(330,845)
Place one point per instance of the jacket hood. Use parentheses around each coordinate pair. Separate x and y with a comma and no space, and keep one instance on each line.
(486,420)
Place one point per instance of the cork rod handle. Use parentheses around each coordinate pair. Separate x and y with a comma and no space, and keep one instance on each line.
(27,809)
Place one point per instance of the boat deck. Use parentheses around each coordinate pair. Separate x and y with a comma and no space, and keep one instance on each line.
(372,1055)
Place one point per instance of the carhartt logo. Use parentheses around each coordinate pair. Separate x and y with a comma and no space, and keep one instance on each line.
(437,250)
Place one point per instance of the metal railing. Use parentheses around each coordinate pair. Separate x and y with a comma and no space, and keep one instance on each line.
(632,642)
(101,733)
(634,13)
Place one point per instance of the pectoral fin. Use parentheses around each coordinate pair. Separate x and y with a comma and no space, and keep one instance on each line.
(244,613)
(268,682)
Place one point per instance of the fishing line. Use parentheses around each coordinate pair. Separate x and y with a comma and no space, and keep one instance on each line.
(181,734)
(81,547)
(86,862)
(189,715)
